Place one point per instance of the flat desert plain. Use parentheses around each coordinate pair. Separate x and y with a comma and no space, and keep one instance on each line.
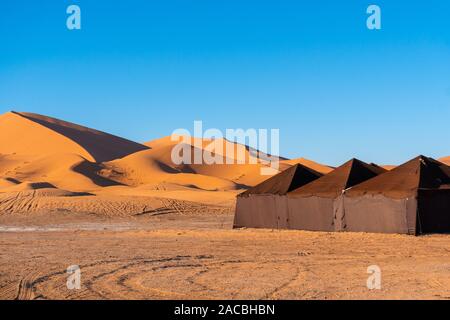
(189,256)
(140,227)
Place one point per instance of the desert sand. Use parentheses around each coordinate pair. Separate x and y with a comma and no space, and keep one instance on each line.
(178,256)
(142,227)
(83,166)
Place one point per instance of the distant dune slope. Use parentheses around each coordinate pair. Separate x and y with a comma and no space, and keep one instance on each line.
(33,134)
(234,170)
(67,171)
(307,163)
(238,153)
(237,162)
(37,150)
(445,160)
(152,167)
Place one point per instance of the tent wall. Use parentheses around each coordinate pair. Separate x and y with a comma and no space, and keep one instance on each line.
(434,211)
(428,213)
(339,214)
(261,211)
(281,203)
(380,214)
(310,213)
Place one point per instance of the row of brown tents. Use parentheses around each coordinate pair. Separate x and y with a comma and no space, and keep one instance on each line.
(413,198)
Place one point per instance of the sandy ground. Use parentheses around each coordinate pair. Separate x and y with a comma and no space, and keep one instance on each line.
(177,256)
(142,227)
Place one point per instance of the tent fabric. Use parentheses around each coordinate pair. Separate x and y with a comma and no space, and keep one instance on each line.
(379,214)
(265,205)
(404,181)
(311,213)
(261,211)
(285,181)
(332,185)
(257,211)
(413,198)
(318,206)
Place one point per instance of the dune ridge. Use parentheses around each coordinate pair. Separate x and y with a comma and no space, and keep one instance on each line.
(42,156)
(101,146)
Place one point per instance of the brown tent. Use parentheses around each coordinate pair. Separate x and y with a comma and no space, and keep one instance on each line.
(317,206)
(265,205)
(413,198)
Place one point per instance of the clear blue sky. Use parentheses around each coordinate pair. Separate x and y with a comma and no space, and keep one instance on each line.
(335,89)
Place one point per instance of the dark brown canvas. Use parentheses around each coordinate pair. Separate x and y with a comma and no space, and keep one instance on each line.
(318,206)
(311,213)
(403,181)
(379,214)
(433,214)
(285,181)
(413,198)
(261,211)
(265,205)
(331,185)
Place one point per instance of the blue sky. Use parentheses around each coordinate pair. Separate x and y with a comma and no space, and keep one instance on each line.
(335,89)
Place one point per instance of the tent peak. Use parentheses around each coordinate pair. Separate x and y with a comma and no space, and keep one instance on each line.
(292,178)
(345,176)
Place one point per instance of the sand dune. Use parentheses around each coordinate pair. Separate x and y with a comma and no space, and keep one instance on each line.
(307,163)
(237,152)
(152,167)
(155,166)
(236,162)
(8,182)
(27,186)
(77,158)
(66,171)
(63,157)
(445,160)
(32,134)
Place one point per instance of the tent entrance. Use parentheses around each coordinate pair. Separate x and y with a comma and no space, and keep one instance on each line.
(434,211)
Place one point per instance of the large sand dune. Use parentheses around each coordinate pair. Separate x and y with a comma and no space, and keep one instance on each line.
(32,134)
(156,164)
(151,167)
(40,149)
(37,150)
(46,164)
(67,171)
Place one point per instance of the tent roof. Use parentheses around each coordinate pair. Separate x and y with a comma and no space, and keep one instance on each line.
(285,181)
(404,181)
(331,185)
